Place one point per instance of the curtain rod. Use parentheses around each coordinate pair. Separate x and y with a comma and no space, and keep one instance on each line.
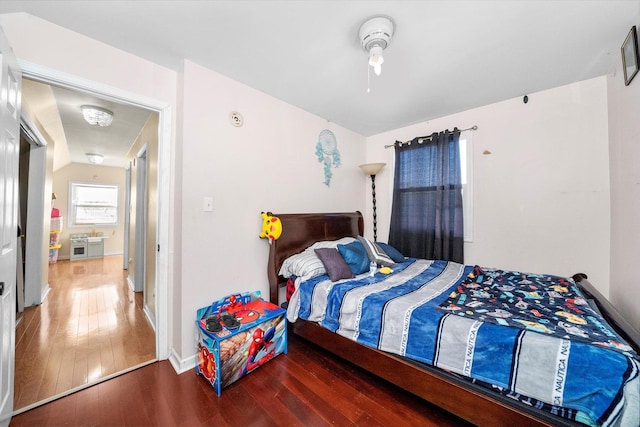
(474,127)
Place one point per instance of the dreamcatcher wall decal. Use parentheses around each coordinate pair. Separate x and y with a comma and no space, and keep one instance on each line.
(328,154)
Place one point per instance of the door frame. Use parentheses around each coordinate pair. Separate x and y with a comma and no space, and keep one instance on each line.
(36,285)
(164,110)
(127,216)
(140,245)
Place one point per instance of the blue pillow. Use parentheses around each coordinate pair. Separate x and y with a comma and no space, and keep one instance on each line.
(356,257)
(393,253)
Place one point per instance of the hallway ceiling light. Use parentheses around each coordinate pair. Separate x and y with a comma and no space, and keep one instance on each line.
(97,115)
(95,159)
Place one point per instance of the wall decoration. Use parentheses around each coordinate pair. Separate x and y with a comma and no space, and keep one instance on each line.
(271,227)
(630,57)
(328,154)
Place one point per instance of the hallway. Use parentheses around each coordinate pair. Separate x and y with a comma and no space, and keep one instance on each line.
(91,325)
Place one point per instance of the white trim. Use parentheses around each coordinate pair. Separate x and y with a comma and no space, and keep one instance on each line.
(32,131)
(162,230)
(150,318)
(48,75)
(140,235)
(127,216)
(113,253)
(106,254)
(34,278)
(182,365)
(130,282)
(45,292)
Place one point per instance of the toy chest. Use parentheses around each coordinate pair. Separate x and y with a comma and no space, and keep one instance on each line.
(226,356)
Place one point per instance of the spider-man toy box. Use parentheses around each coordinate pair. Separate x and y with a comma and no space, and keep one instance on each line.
(236,335)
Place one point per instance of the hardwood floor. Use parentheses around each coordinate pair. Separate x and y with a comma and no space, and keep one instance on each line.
(90,326)
(307,387)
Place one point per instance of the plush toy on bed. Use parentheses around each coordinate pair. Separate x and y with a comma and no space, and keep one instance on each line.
(271,227)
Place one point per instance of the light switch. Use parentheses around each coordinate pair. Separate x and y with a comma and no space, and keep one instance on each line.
(208,204)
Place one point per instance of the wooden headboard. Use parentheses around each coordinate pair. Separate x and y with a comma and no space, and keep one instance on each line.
(299,231)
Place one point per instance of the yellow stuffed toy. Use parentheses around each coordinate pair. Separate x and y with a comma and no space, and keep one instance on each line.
(271,227)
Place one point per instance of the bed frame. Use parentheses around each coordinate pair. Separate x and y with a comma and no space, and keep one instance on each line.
(458,396)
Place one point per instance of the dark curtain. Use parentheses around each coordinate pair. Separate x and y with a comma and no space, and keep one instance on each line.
(426,216)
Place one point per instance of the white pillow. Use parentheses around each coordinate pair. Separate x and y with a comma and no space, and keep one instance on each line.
(331,243)
(306,264)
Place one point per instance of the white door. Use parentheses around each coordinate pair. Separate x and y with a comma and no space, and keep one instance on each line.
(10,81)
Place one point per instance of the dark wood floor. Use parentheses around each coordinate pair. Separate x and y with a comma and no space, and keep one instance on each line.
(91,325)
(307,387)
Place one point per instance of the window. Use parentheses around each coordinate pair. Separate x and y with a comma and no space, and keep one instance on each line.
(427,214)
(466,175)
(92,204)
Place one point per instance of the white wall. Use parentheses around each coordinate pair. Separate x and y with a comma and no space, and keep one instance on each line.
(268,164)
(624,152)
(541,198)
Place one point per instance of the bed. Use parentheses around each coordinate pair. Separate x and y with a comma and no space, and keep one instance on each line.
(471,400)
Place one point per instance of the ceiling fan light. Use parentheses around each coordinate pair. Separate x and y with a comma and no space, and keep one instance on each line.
(95,159)
(97,115)
(375,35)
(375,56)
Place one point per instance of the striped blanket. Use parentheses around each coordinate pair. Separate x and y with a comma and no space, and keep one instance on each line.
(398,313)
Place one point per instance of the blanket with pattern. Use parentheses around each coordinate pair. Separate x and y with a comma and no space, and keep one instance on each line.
(398,313)
(539,302)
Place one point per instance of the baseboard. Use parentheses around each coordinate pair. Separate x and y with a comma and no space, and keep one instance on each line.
(150,317)
(45,292)
(67,257)
(130,282)
(181,366)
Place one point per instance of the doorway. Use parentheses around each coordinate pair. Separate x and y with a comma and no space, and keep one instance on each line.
(161,190)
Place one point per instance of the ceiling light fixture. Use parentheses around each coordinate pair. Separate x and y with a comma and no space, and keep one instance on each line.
(375,35)
(95,159)
(97,115)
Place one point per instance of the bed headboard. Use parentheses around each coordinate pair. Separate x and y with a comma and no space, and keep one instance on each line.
(299,231)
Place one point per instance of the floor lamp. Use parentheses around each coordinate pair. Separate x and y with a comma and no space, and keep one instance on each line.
(372,170)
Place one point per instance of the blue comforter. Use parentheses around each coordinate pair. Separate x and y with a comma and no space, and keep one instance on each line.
(398,313)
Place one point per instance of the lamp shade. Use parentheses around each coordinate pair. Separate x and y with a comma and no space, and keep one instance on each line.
(372,168)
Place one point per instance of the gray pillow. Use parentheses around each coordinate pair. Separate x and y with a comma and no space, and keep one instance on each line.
(337,268)
(375,253)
